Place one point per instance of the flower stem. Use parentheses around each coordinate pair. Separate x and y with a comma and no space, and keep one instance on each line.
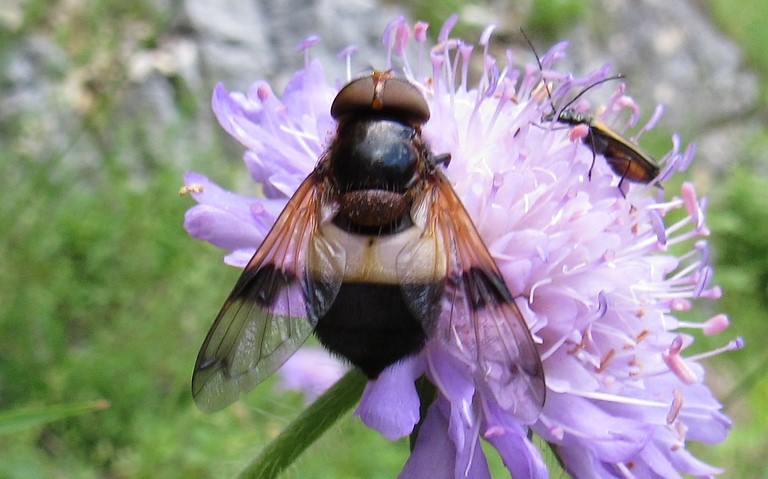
(307,427)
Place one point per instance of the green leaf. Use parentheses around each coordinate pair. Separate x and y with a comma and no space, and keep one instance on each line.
(307,427)
(28,417)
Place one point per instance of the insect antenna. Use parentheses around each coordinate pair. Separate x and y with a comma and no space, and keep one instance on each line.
(618,76)
(546,85)
(541,68)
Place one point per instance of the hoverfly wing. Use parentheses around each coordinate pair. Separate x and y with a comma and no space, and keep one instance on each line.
(478,316)
(291,280)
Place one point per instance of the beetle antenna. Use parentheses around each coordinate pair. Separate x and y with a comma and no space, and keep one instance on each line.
(599,82)
(546,85)
(541,68)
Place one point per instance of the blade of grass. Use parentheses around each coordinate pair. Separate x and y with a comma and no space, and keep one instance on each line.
(19,419)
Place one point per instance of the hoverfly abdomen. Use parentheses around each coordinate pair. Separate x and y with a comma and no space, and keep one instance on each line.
(372,326)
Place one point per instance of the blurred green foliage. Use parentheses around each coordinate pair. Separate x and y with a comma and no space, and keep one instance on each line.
(105,297)
(544,18)
(740,241)
(739,222)
(550,18)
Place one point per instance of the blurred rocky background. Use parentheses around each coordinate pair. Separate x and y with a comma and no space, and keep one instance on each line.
(104,104)
(70,77)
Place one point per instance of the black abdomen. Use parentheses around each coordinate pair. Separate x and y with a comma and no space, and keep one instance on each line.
(371,325)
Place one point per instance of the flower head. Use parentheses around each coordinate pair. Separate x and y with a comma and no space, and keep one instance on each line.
(589,264)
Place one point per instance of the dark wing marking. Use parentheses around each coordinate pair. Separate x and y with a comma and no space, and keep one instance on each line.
(274,306)
(479,319)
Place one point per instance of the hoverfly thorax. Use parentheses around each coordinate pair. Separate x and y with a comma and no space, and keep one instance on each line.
(375,154)
(378,152)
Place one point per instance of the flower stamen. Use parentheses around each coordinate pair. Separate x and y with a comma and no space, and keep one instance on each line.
(674,409)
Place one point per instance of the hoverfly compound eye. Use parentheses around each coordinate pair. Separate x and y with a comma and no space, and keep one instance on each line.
(382,93)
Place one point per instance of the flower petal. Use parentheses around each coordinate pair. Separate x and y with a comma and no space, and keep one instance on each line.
(435,454)
(390,403)
(310,370)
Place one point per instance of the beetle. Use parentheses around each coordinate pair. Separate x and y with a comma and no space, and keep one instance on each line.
(625,158)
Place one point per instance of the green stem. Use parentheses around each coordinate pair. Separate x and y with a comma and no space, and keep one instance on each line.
(307,427)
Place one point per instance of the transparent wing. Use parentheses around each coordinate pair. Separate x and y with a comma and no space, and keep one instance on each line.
(478,317)
(291,281)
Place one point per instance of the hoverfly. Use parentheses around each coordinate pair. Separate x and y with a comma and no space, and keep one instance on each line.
(375,254)
(625,158)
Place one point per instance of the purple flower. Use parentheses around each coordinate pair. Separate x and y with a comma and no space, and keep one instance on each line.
(589,264)
(310,370)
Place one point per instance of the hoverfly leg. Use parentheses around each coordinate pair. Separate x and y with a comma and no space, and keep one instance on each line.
(443,158)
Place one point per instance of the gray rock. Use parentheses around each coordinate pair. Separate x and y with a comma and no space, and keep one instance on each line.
(669,51)
(672,55)
(37,109)
(169,85)
(720,148)
(240,42)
